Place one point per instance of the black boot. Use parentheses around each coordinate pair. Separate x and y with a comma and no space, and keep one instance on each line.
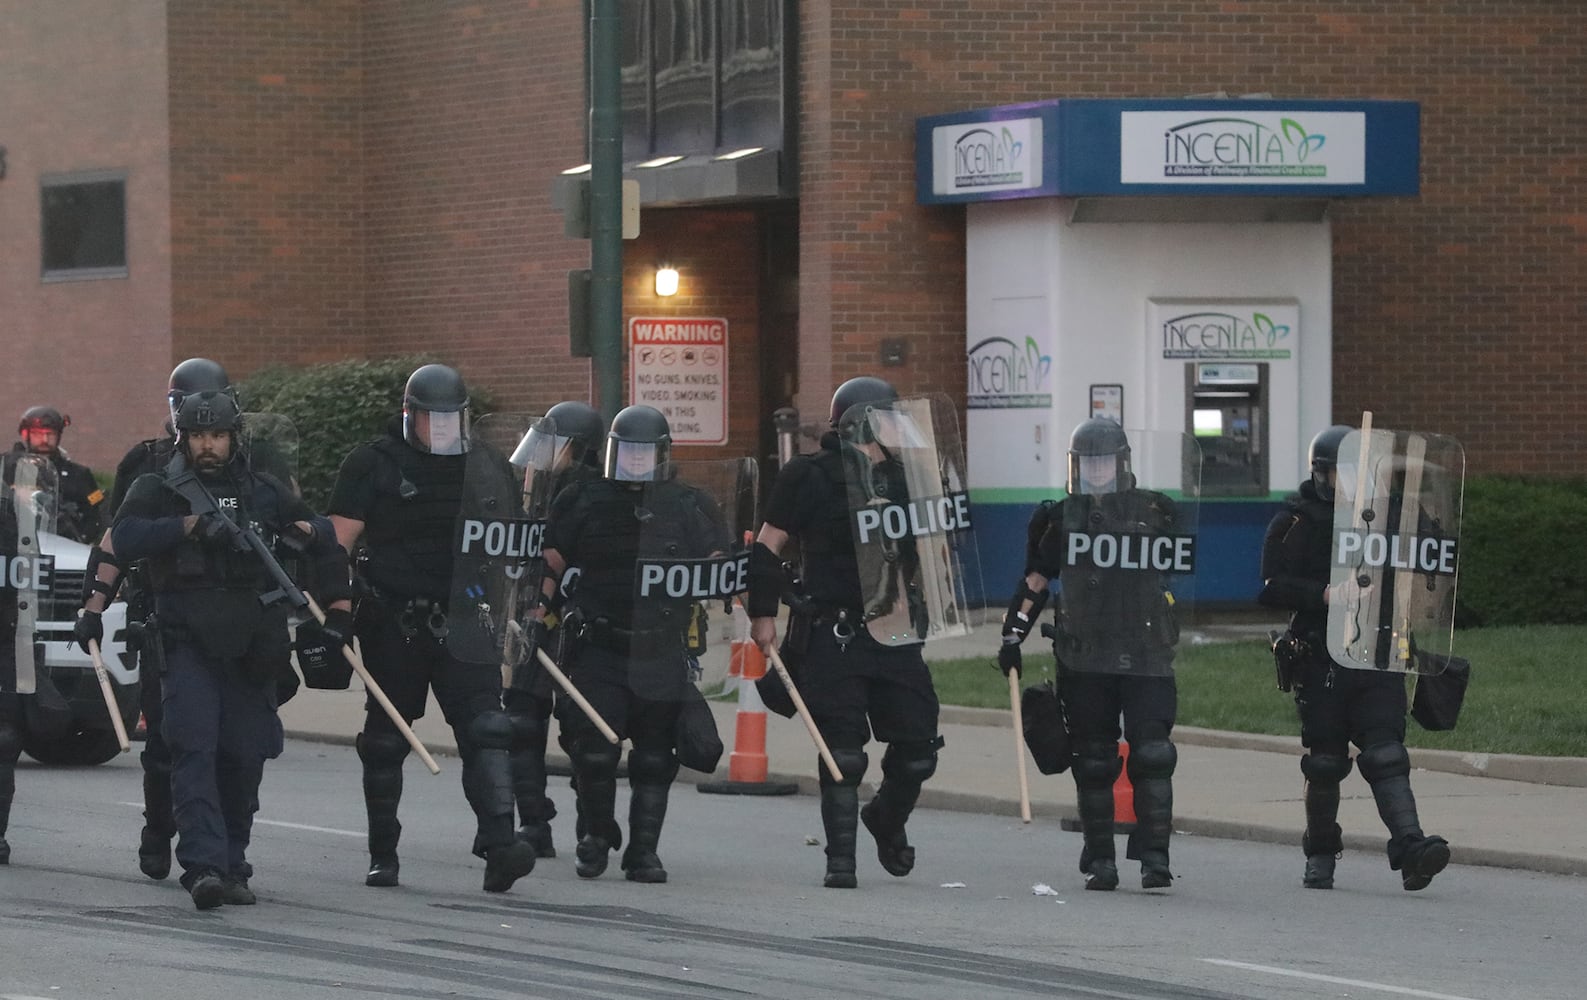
(905,767)
(1323,841)
(840,814)
(595,770)
(382,756)
(206,887)
(1154,824)
(159,825)
(535,811)
(1097,858)
(650,775)
(8,784)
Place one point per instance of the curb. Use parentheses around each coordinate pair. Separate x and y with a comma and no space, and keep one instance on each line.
(1569,772)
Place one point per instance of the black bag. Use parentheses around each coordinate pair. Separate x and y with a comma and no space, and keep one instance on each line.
(698,744)
(1436,703)
(1045,731)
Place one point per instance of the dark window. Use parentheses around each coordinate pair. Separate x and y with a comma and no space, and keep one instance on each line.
(685,54)
(703,76)
(85,227)
(751,74)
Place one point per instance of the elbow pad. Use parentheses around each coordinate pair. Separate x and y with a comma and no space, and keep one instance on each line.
(1016,623)
(99,557)
(766,581)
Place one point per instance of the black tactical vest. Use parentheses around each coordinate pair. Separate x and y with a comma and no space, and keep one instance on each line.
(613,526)
(410,529)
(828,567)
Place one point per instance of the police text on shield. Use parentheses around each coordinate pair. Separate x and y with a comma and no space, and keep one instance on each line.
(1154,553)
(927,516)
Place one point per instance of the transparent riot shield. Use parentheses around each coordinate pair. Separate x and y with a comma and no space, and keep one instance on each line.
(696,522)
(270,441)
(30,505)
(1396,550)
(909,512)
(495,545)
(1126,545)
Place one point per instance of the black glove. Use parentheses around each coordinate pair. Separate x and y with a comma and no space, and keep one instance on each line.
(320,656)
(214,528)
(526,671)
(90,625)
(338,627)
(1009,658)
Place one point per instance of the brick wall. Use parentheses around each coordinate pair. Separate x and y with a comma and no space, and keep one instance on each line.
(267,206)
(471,110)
(1457,311)
(96,350)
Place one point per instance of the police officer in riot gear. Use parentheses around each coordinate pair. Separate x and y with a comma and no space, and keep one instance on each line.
(1338,706)
(220,647)
(80,502)
(105,576)
(852,685)
(401,493)
(1115,647)
(577,433)
(627,655)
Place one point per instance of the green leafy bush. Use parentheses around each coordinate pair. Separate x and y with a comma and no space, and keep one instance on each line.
(1523,558)
(335,408)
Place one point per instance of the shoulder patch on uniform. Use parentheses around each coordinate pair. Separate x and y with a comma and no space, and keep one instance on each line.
(95,497)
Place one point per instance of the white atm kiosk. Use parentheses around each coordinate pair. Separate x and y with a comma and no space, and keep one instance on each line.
(1168,262)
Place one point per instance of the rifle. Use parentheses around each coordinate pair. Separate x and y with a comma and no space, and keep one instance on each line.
(186,485)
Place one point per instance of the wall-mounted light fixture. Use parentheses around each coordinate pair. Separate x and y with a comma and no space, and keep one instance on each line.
(666,280)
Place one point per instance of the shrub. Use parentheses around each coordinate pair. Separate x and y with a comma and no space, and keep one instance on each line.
(1523,552)
(335,407)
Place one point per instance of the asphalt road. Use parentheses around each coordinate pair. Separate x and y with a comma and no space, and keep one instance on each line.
(744,914)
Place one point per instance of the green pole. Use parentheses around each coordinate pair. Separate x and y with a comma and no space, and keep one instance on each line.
(606,206)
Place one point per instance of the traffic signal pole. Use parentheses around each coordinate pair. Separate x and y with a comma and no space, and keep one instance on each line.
(606,207)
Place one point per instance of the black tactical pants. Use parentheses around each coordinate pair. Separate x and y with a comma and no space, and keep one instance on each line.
(867,689)
(156,756)
(1340,705)
(408,668)
(220,729)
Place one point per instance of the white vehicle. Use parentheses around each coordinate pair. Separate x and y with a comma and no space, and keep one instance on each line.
(66,722)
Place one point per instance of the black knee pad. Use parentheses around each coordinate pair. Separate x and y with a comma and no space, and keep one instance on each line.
(526,730)
(592,753)
(911,762)
(1153,759)
(1326,768)
(851,762)
(1096,765)
(491,730)
(651,767)
(381,749)
(1384,760)
(10,743)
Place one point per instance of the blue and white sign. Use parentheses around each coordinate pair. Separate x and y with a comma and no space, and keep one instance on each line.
(1192,147)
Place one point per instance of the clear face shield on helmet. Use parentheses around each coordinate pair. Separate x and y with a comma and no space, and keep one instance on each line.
(1338,484)
(437,432)
(632,461)
(541,454)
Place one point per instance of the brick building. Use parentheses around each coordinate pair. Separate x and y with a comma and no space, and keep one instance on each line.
(314,180)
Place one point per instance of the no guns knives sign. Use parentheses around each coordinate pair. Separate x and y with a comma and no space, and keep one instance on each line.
(679,366)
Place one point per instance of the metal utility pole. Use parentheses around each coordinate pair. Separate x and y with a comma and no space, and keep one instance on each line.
(606,206)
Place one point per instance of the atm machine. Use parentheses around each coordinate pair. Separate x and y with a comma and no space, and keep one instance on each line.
(1226,411)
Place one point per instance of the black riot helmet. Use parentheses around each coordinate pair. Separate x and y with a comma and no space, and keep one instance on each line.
(1323,456)
(856,392)
(435,411)
(1099,458)
(43,418)
(194,375)
(638,445)
(207,411)
(571,433)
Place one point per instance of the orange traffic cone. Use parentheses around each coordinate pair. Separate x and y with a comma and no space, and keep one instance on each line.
(1123,799)
(1124,794)
(747,764)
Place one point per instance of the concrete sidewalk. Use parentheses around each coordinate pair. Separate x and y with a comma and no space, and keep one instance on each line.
(1495,810)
